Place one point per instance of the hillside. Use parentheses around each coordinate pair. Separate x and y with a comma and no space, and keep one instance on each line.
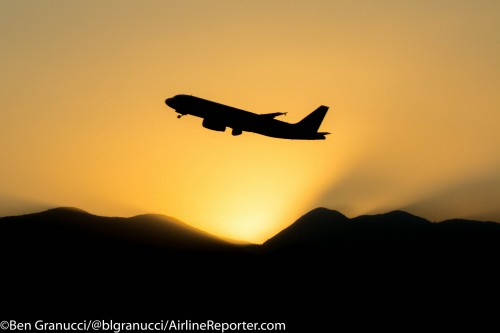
(152,265)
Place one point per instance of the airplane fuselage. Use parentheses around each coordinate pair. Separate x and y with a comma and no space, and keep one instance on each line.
(219,116)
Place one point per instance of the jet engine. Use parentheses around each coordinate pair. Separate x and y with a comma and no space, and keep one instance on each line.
(214,124)
(236,131)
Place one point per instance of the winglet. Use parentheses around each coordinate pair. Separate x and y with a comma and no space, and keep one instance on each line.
(273,115)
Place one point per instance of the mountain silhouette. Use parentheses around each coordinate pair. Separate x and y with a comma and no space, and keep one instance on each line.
(149,265)
(324,229)
(316,227)
(69,234)
(71,231)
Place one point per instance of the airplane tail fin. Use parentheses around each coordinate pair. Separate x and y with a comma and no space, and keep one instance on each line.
(312,122)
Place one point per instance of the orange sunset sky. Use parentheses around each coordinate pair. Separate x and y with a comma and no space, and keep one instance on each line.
(413,90)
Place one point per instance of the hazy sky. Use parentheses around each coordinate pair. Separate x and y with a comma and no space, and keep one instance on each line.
(413,89)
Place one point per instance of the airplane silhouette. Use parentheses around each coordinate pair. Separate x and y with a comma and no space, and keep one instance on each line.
(217,117)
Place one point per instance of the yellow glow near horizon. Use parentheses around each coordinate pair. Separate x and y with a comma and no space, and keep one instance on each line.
(412,87)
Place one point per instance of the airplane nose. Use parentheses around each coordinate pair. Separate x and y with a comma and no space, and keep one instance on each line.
(169,102)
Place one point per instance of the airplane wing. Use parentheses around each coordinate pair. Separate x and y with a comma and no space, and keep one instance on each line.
(272,115)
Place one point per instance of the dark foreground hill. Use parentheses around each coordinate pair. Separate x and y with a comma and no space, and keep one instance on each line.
(325,271)
(322,231)
(72,231)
